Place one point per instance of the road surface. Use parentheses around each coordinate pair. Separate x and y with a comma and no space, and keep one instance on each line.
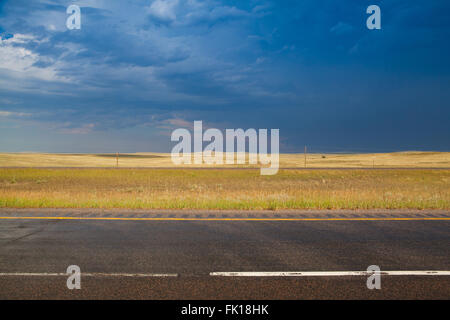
(223,255)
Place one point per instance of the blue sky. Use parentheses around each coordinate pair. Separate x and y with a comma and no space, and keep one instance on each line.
(139,69)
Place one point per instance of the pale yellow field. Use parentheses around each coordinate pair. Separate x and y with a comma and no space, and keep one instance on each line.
(148,160)
(224,189)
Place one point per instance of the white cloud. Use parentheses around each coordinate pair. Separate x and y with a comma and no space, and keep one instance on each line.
(164,10)
(191,12)
(20,60)
(341,28)
(13,114)
(212,13)
(84,129)
(176,123)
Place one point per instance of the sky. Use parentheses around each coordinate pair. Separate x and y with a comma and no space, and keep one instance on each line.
(139,69)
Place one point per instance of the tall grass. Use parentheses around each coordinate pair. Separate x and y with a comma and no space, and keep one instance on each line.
(224,189)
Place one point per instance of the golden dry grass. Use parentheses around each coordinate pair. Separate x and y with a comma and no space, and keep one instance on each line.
(224,189)
(397,159)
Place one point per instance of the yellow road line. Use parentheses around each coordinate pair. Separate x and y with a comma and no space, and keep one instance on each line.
(224,219)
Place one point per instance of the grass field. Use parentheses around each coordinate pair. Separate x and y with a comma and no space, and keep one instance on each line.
(378,160)
(224,189)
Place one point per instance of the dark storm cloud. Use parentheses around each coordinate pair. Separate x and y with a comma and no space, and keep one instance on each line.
(310,68)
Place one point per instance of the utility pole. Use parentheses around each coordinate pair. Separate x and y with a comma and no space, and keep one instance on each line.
(117,159)
(305,155)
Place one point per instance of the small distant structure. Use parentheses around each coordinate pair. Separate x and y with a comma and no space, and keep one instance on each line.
(306,150)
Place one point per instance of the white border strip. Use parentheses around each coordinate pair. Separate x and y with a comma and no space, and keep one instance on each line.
(85,274)
(328,273)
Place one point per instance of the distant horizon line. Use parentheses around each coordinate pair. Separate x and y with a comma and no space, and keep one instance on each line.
(168,153)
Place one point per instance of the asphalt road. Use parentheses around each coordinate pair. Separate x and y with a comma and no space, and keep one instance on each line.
(111,252)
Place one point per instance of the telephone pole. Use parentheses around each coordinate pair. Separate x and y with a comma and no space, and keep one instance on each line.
(305,155)
(117,159)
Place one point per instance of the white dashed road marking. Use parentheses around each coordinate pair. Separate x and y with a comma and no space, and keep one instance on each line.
(328,273)
(86,274)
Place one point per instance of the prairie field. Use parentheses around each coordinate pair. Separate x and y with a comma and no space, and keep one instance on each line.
(242,189)
(411,159)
